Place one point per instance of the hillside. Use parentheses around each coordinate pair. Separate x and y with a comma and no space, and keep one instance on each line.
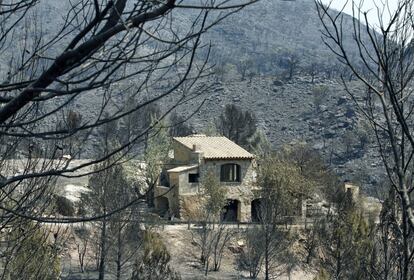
(288,112)
(264,36)
(260,42)
(261,37)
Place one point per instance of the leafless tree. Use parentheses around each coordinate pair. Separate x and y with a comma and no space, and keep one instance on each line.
(291,60)
(82,245)
(244,67)
(313,71)
(221,239)
(385,66)
(310,243)
(251,257)
(180,126)
(386,255)
(319,94)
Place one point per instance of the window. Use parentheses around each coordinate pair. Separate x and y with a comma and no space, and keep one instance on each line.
(193,178)
(230,173)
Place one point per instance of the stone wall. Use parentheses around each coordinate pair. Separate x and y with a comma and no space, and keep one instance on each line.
(185,156)
(171,194)
(185,187)
(239,191)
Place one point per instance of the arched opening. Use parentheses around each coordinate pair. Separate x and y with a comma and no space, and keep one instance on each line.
(255,208)
(162,205)
(231,211)
(230,172)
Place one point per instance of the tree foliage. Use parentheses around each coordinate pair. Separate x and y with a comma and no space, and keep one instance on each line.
(237,125)
(153,264)
(283,180)
(259,144)
(157,151)
(36,255)
(213,236)
(214,195)
(156,155)
(283,188)
(286,178)
(346,243)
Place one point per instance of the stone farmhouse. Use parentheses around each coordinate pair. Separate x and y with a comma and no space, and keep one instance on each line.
(194,156)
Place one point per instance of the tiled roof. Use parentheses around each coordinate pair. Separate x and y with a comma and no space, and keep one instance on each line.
(215,147)
(182,168)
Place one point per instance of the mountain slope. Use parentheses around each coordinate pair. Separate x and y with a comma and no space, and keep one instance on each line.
(266,33)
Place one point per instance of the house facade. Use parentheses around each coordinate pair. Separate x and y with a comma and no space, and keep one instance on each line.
(194,156)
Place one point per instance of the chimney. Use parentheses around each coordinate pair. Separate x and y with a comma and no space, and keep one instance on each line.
(197,154)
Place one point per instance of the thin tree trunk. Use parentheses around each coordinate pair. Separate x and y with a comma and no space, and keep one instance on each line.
(119,256)
(206,267)
(338,260)
(266,258)
(102,258)
(406,253)
(81,255)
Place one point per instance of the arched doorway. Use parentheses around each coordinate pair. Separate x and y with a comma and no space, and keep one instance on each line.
(231,211)
(255,209)
(162,205)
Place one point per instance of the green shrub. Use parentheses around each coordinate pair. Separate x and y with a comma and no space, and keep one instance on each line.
(64,206)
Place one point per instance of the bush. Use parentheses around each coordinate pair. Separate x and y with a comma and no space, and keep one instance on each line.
(64,206)
(35,257)
(154,262)
(322,275)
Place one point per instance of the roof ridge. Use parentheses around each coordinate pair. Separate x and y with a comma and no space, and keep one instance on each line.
(200,136)
(215,147)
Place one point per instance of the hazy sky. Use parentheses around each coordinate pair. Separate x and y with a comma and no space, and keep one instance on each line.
(369,6)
